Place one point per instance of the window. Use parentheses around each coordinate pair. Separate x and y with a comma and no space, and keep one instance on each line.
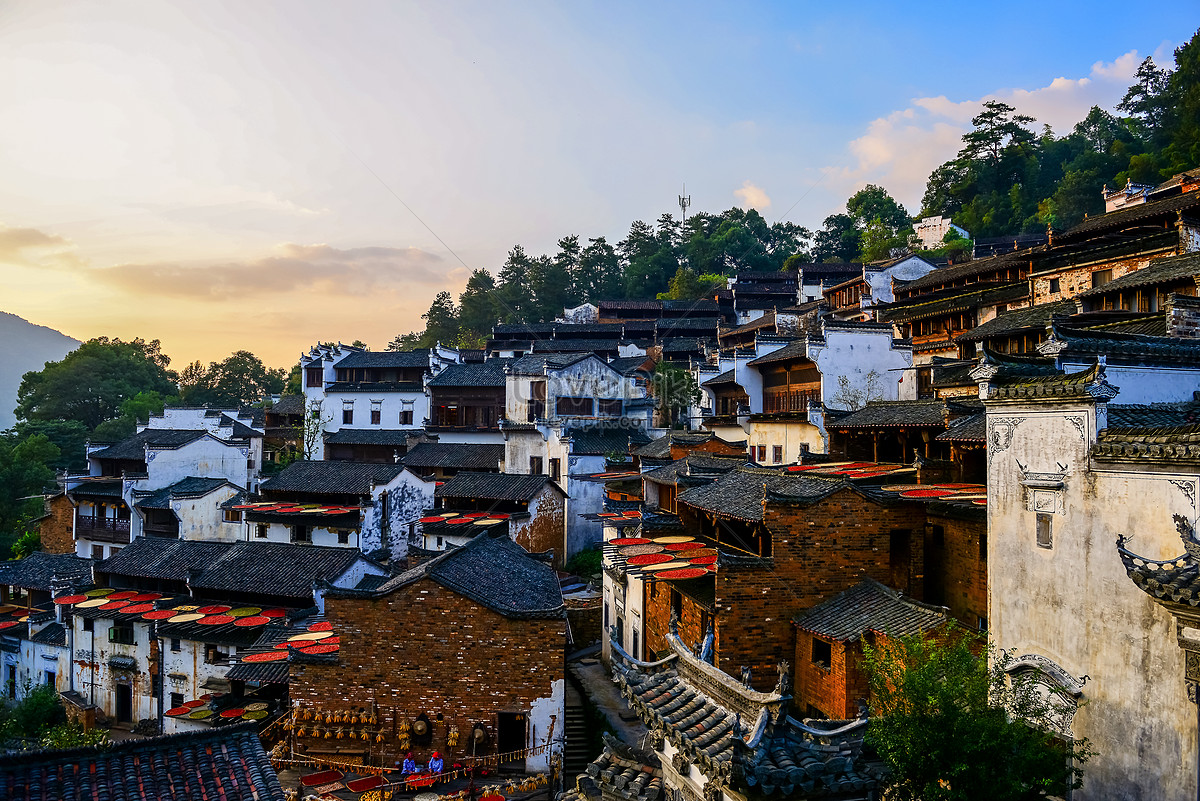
(122,633)
(439,543)
(573,407)
(343,537)
(213,655)
(1101,277)
(777,453)
(676,604)
(937,536)
(982,624)
(610,406)
(233,516)
(406,417)
(1054,285)
(176,700)
(250,463)
(97,552)
(983,547)
(312,376)
(822,654)
(606,616)
(260,531)
(376,412)
(1044,531)
(347,413)
(653,588)
(89,624)
(555,469)
(301,534)
(176,646)
(50,678)
(535,465)
(635,653)
(761,453)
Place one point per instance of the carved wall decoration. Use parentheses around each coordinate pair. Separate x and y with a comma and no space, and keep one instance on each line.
(1001,431)
(1191,665)
(1188,489)
(681,764)
(1061,688)
(1077,421)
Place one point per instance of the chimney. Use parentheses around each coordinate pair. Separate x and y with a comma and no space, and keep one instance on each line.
(1183,316)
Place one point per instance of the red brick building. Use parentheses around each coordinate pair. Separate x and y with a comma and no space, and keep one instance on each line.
(469,643)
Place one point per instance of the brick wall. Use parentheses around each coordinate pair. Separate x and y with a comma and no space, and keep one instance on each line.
(656,612)
(819,550)
(832,691)
(426,649)
(957,567)
(56,530)
(1073,280)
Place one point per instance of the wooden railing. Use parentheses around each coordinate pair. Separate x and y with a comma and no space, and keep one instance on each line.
(103,529)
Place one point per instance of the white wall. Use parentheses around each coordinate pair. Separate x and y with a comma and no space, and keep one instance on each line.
(856,353)
(1073,603)
(1146,384)
(880,281)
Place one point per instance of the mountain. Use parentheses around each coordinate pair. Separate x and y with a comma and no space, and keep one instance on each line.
(27,347)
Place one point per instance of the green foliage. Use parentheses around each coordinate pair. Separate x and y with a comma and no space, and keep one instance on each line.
(674,389)
(69,436)
(585,563)
(32,718)
(72,735)
(25,474)
(26,544)
(91,382)
(241,379)
(874,227)
(140,407)
(951,723)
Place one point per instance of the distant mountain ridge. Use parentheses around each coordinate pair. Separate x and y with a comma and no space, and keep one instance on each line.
(28,346)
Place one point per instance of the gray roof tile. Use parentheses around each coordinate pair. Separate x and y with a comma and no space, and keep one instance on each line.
(870,606)
(494,486)
(332,478)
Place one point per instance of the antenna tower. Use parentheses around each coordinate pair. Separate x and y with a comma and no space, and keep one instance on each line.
(684,202)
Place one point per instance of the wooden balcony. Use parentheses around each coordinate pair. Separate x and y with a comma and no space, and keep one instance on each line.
(102,529)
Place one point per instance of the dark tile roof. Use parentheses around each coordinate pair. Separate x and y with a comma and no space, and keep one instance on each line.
(823,270)
(368,436)
(697,466)
(491,570)
(952,372)
(740,493)
(1171,580)
(599,440)
(1152,415)
(36,571)
(386,358)
(972,428)
(489,373)
(1072,344)
(227,763)
(538,363)
(726,377)
(620,770)
(1090,383)
(1017,320)
(870,606)
(289,404)
(714,722)
(895,414)
(326,478)
(238,429)
(789,352)
(186,488)
(960,272)
(628,365)
(265,568)
(374,386)
(1171,446)
(494,486)
(430,455)
(134,448)
(660,448)
(50,634)
(1132,216)
(1170,270)
(955,300)
(99,488)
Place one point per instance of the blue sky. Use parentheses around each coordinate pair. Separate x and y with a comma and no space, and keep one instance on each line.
(227,175)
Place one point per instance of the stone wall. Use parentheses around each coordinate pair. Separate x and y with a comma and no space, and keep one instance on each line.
(956,567)
(57,530)
(425,649)
(832,691)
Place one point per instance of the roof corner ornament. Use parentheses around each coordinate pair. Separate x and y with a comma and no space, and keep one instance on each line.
(746,677)
(781,686)
(673,625)
(864,709)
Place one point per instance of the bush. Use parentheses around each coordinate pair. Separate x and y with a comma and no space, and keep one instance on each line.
(585,563)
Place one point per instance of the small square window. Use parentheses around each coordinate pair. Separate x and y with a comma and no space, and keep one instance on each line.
(1055,287)
(982,624)
(176,700)
(777,454)
(1045,536)
(376,417)
(343,537)
(348,416)
(761,453)
(89,624)
(260,531)
(176,646)
(233,516)
(406,417)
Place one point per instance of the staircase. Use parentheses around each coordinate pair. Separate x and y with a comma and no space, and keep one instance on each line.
(578,754)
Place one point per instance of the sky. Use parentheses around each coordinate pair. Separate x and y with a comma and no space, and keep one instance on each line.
(264,175)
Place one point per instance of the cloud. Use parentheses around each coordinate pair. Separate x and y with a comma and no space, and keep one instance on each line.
(294,268)
(30,247)
(752,197)
(901,149)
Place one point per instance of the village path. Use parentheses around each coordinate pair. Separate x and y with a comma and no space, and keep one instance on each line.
(598,684)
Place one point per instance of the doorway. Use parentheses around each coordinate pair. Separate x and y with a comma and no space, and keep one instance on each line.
(510,733)
(124,703)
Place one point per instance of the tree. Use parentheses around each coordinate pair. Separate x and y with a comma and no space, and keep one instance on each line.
(91,382)
(1148,100)
(25,474)
(241,379)
(838,240)
(441,321)
(997,130)
(477,311)
(140,407)
(310,434)
(674,390)
(852,397)
(952,723)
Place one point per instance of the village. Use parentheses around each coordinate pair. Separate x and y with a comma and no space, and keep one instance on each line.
(537,570)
